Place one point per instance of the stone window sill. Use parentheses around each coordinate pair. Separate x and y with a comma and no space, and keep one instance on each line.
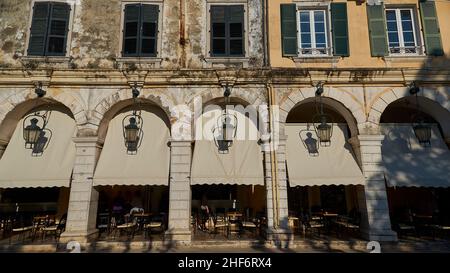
(144,62)
(46,61)
(407,59)
(221,62)
(301,61)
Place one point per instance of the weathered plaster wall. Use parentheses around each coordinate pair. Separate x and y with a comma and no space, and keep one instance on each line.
(14,16)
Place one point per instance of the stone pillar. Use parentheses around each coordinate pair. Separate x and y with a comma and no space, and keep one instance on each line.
(83,202)
(372,198)
(180,191)
(282,231)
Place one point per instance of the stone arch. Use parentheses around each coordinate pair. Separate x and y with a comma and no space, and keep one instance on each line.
(112,100)
(341,101)
(20,103)
(433,101)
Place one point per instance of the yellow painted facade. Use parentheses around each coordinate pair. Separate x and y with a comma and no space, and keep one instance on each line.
(359,43)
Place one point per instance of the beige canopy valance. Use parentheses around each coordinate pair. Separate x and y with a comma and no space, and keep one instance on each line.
(408,164)
(150,166)
(333,165)
(243,165)
(19,169)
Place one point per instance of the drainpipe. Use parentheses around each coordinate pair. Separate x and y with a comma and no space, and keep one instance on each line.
(273,159)
(266,38)
(182,33)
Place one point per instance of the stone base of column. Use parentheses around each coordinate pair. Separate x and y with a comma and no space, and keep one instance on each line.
(379,235)
(279,237)
(81,237)
(178,236)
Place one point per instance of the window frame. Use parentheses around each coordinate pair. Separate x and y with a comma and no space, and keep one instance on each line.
(416,29)
(159,29)
(326,9)
(72,5)
(209,39)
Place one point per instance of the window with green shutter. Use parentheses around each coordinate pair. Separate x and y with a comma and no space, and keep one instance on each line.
(377,30)
(227,30)
(289,29)
(431,32)
(340,29)
(140,31)
(49,29)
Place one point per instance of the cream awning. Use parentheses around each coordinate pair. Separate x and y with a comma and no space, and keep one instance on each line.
(333,165)
(243,165)
(150,166)
(18,169)
(408,164)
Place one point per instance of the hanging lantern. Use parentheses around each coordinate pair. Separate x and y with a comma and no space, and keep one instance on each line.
(321,121)
(33,126)
(225,132)
(132,132)
(421,129)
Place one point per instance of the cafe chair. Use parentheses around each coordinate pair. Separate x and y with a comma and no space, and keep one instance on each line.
(220,224)
(315,224)
(56,229)
(154,225)
(129,228)
(103,223)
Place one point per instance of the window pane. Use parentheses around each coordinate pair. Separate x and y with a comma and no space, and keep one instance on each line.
(392,26)
(407,25)
(304,16)
(306,40)
(218,30)
(236,47)
(320,39)
(319,27)
(218,46)
(149,29)
(390,15)
(393,37)
(148,46)
(131,29)
(56,45)
(130,46)
(305,28)
(235,30)
(318,16)
(408,37)
(405,15)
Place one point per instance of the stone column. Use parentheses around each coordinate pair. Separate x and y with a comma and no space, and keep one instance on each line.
(83,202)
(180,191)
(282,231)
(372,198)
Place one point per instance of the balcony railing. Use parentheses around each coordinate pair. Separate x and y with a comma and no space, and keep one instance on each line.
(406,51)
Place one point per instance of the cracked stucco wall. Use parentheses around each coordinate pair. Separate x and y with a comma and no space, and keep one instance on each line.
(96,33)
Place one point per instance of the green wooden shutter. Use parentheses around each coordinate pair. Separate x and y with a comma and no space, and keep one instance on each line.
(235,30)
(377,30)
(131,29)
(431,33)
(149,30)
(289,29)
(39,28)
(340,29)
(58,29)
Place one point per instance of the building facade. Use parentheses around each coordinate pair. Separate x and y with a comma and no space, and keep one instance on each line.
(88,56)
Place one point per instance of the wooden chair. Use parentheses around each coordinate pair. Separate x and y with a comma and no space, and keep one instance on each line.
(316,224)
(220,224)
(57,229)
(155,224)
